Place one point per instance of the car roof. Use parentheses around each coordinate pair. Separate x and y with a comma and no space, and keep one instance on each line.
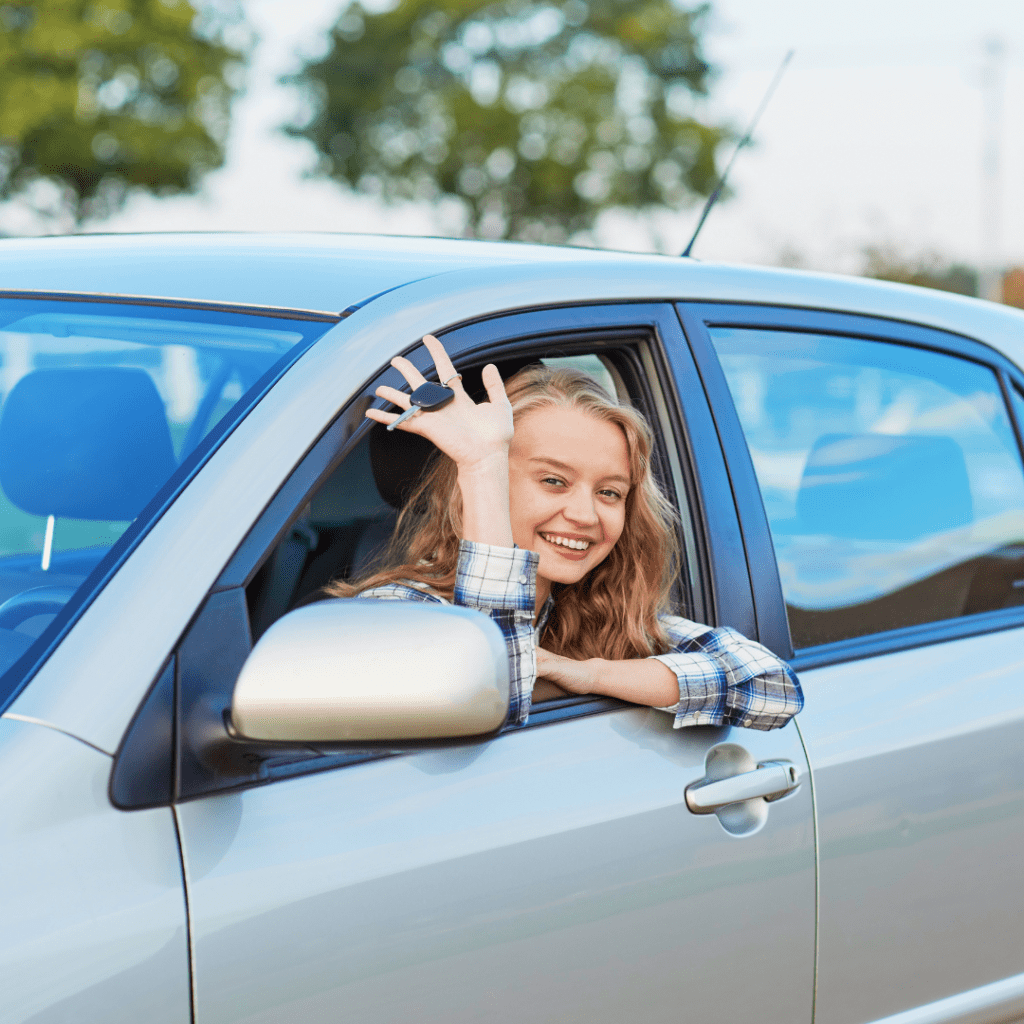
(336,272)
(327,272)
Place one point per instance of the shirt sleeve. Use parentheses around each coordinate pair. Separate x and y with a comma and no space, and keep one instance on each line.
(726,679)
(502,583)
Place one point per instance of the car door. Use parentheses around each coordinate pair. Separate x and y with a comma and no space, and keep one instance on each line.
(553,873)
(889,462)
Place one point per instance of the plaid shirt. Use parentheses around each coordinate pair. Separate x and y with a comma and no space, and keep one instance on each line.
(724,678)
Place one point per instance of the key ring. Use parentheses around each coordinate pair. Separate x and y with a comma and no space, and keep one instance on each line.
(454,376)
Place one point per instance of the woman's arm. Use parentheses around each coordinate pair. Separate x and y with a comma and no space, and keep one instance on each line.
(640,681)
(492,575)
(710,677)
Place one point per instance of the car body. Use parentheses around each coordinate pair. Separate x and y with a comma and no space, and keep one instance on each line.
(846,457)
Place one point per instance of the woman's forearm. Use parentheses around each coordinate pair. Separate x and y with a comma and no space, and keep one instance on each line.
(640,681)
(485,508)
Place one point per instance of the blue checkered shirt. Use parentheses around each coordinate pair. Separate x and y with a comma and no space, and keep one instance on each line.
(724,678)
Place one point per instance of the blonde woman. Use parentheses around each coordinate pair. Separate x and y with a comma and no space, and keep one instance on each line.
(542,512)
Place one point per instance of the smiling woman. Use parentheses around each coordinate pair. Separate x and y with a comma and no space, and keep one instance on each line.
(541,511)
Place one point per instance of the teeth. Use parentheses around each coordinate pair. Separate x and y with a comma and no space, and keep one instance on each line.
(567,542)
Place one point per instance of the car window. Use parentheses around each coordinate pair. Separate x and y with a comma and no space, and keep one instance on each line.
(891,478)
(100,403)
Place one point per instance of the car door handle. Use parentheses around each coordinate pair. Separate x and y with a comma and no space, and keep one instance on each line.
(770,780)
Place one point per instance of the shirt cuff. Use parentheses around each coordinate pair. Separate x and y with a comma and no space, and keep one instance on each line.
(491,576)
(702,693)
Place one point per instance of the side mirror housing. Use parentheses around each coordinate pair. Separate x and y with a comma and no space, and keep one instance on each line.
(371,670)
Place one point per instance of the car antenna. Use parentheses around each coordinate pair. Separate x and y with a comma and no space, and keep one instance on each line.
(713,198)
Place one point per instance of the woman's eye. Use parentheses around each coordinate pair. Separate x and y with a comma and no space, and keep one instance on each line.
(611,494)
(552,480)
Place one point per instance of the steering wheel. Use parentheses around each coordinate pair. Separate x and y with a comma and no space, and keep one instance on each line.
(29,603)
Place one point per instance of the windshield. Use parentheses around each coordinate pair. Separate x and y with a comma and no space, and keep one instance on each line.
(102,407)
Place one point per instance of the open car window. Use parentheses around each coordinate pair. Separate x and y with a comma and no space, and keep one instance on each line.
(101,405)
(343,531)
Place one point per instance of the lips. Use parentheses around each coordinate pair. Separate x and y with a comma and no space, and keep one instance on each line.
(573,543)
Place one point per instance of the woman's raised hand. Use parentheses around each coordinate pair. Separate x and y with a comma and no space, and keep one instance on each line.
(468,433)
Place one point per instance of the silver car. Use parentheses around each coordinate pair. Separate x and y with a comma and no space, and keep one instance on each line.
(214,811)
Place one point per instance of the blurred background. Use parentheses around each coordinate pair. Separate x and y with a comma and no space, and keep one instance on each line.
(893,146)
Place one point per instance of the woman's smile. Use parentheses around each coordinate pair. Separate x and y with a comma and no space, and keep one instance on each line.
(571,547)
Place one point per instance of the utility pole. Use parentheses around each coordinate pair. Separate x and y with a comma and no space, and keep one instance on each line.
(990,271)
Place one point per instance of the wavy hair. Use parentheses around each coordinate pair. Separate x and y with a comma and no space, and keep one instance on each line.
(612,612)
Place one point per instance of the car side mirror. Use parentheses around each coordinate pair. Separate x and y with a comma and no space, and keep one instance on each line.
(370,670)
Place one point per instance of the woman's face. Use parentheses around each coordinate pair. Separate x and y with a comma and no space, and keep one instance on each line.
(568,481)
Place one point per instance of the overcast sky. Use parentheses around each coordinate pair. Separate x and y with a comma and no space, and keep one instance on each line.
(873,137)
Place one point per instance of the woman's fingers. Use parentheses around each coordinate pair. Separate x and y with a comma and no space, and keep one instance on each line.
(408,371)
(442,363)
(495,388)
(380,416)
(393,395)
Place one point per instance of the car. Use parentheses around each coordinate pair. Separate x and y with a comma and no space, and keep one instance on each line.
(215,802)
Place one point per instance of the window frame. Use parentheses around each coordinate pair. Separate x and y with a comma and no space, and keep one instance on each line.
(660,357)
(697,319)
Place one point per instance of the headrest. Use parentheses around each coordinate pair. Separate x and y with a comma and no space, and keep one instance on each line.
(883,487)
(84,443)
(397,460)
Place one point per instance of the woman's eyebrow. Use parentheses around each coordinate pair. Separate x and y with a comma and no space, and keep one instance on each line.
(566,468)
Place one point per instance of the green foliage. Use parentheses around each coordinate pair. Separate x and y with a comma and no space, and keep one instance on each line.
(886,263)
(537,114)
(97,96)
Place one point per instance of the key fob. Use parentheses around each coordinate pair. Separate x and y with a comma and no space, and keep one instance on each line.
(426,397)
(430,396)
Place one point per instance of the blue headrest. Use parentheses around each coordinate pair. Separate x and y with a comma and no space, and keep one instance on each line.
(883,487)
(84,443)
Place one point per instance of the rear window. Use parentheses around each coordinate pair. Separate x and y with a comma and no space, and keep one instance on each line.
(103,409)
(891,478)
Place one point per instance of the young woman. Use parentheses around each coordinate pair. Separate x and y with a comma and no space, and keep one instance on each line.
(542,511)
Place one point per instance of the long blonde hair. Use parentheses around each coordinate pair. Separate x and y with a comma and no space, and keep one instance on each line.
(613,612)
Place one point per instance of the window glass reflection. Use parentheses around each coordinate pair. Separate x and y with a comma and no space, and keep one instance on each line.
(891,478)
(100,404)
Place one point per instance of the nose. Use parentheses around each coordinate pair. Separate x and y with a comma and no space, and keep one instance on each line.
(580,507)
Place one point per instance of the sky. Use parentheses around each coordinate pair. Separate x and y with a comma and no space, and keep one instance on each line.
(874,137)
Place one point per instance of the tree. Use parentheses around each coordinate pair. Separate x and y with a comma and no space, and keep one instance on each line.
(929,270)
(536,114)
(98,96)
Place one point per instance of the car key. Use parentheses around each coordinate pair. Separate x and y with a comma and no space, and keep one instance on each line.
(427,397)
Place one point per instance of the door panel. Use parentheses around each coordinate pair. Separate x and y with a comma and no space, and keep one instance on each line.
(891,476)
(93,907)
(553,874)
(919,783)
